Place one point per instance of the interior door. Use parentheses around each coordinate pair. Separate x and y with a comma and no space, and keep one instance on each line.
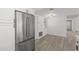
(69,25)
(18,27)
(31,27)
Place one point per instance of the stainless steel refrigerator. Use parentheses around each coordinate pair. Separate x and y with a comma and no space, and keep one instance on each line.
(24,31)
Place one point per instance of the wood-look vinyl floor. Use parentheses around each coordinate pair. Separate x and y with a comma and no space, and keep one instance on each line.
(52,43)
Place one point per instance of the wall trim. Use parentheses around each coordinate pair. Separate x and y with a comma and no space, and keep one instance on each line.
(6,22)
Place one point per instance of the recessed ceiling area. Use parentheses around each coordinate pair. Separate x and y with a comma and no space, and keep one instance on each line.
(62,11)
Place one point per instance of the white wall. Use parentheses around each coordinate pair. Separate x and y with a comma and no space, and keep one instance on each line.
(7,42)
(6,29)
(56,25)
(40,26)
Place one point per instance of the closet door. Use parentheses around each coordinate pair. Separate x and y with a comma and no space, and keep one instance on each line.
(28,26)
(31,27)
(28,43)
(19,27)
(25,27)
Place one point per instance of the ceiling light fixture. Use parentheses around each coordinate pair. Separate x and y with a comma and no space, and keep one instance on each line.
(51,12)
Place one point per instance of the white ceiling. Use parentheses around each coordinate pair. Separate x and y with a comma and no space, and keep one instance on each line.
(62,11)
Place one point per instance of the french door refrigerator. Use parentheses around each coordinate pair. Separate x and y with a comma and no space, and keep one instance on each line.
(24,31)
